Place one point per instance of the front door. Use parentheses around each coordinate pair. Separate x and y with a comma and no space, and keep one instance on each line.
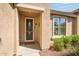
(29,29)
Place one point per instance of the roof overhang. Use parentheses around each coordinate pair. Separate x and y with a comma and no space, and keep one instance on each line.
(75,11)
(54,12)
(26,7)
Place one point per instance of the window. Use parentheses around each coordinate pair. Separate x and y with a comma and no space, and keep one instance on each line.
(59,25)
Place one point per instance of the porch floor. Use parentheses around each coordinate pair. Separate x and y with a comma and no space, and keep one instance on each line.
(30,49)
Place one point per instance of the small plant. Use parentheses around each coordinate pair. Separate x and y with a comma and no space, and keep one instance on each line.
(67,41)
(58,44)
(75,39)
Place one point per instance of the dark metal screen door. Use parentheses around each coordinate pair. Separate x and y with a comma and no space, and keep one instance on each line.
(29,29)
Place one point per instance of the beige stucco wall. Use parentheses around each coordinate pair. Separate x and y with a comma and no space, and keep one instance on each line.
(71,26)
(46,29)
(44,5)
(7,29)
(37,29)
(78,24)
(69,22)
(21,28)
(74,26)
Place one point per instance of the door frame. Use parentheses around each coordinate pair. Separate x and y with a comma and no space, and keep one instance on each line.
(25,30)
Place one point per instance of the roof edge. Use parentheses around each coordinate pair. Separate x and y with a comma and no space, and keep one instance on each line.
(75,11)
(62,13)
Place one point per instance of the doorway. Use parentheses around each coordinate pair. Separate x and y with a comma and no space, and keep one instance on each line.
(29,29)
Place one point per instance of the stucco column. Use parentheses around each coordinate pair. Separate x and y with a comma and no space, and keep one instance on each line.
(68,26)
(46,32)
(78,23)
(16,32)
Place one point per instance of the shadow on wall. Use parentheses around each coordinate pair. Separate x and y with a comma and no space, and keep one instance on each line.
(0,40)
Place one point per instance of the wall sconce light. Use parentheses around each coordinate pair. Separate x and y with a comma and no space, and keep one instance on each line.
(35,23)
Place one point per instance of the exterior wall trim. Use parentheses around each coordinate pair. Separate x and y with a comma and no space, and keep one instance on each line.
(30,7)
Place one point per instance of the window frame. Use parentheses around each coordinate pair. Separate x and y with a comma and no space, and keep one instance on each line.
(53,26)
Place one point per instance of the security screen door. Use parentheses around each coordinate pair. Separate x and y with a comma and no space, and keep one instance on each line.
(29,34)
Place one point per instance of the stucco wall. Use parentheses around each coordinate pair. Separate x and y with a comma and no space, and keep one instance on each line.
(7,30)
(46,29)
(78,24)
(37,29)
(74,26)
(44,5)
(69,25)
(21,28)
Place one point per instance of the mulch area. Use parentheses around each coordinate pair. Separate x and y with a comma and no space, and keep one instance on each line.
(53,52)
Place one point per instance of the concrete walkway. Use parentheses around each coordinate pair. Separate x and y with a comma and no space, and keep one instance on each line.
(30,50)
(25,51)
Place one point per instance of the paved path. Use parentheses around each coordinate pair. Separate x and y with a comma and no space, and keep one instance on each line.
(25,51)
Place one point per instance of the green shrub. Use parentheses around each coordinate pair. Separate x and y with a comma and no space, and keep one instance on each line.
(67,41)
(75,39)
(58,44)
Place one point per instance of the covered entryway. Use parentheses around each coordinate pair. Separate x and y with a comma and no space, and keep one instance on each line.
(29,28)
(32,26)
